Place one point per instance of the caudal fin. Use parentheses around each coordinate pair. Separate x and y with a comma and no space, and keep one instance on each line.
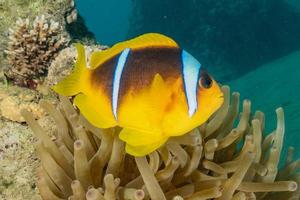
(76,81)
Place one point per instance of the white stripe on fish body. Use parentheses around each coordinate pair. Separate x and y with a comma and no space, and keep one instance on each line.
(191,71)
(116,80)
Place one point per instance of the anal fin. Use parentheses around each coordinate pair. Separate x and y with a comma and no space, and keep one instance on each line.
(144,149)
(141,142)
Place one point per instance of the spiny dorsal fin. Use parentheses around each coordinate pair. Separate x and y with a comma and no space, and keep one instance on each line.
(146,40)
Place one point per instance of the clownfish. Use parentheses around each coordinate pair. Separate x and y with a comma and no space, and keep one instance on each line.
(148,86)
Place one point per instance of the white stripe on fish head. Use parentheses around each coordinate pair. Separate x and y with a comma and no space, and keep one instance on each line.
(191,73)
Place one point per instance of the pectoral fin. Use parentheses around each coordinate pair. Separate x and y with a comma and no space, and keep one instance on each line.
(95,110)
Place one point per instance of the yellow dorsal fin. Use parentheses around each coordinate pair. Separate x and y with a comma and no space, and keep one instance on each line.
(146,40)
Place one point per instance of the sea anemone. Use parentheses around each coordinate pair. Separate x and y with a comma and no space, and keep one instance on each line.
(31,49)
(226,158)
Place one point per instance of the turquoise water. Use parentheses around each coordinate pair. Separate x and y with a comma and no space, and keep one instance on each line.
(108,20)
(274,85)
(251,45)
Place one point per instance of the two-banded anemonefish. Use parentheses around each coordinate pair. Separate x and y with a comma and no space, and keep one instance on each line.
(148,86)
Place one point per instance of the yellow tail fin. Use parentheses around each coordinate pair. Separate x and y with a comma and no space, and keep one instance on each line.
(77,80)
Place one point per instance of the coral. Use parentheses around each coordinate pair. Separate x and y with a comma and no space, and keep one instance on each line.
(61,11)
(32,48)
(229,37)
(224,159)
(12,10)
(14,98)
(10,109)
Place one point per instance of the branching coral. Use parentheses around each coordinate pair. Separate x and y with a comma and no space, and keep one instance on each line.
(31,49)
(11,10)
(85,162)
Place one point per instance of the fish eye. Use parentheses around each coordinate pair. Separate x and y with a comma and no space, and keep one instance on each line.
(205,80)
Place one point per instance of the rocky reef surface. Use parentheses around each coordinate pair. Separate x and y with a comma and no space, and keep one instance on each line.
(17,162)
(17,158)
(19,26)
(230,37)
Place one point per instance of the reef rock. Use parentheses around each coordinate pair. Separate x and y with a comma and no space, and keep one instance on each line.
(64,62)
(17,162)
(13,99)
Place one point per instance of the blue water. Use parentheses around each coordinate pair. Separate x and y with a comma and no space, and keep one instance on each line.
(252,45)
(108,20)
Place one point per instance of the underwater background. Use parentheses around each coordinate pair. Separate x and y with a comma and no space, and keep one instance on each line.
(251,45)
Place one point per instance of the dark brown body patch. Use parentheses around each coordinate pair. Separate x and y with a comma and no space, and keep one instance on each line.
(140,68)
(143,64)
(102,76)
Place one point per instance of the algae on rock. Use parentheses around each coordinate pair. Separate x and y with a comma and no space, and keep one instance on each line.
(14,98)
(17,162)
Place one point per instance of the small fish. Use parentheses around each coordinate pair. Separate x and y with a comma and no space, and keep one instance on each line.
(148,85)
